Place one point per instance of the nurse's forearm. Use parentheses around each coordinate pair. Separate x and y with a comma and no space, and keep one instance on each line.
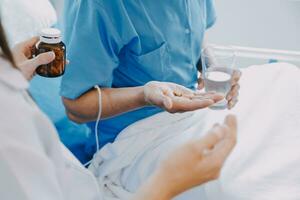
(115,101)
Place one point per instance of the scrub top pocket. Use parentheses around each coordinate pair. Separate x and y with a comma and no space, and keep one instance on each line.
(153,64)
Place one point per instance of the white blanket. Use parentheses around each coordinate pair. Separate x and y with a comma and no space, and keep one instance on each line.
(265,164)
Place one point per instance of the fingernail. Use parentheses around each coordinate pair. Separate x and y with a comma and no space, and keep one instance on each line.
(52,54)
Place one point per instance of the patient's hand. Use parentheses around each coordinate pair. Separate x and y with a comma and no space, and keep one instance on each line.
(176,98)
(193,164)
(23,57)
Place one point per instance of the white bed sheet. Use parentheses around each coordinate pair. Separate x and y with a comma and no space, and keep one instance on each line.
(264,165)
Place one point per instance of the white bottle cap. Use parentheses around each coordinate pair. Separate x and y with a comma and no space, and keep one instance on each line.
(50,36)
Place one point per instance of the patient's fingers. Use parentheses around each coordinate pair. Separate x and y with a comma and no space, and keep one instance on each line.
(213,137)
(231,122)
(224,148)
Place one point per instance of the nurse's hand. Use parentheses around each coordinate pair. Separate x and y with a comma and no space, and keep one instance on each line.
(232,96)
(193,164)
(176,98)
(22,53)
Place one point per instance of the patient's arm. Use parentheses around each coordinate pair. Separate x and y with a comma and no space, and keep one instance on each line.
(168,96)
(195,163)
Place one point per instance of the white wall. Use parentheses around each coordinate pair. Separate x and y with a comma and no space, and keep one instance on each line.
(21,20)
(258,23)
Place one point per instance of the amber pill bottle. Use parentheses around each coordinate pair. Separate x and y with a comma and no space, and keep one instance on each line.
(50,40)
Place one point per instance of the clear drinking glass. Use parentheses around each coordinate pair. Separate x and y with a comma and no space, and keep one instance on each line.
(218,65)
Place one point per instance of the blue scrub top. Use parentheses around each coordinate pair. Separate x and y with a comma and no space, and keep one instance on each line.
(127,43)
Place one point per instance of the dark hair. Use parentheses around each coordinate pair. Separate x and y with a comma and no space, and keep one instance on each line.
(6,53)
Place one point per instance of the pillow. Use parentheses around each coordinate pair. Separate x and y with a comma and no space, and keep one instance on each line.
(23,19)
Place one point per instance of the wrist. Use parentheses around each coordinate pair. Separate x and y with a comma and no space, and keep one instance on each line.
(141,96)
(161,187)
(155,188)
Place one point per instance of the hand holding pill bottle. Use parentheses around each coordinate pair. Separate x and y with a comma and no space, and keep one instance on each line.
(50,40)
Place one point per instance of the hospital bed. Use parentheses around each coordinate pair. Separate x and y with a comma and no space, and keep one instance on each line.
(247,56)
(264,165)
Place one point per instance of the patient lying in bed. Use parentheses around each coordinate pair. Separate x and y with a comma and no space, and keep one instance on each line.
(264,165)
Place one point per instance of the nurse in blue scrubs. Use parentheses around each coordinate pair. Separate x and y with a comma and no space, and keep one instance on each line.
(125,44)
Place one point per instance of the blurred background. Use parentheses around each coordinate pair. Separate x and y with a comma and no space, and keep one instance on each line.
(267,30)
(273,24)
(264,31)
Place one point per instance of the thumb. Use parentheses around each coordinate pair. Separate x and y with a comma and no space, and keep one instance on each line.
(225,147)
(42,59)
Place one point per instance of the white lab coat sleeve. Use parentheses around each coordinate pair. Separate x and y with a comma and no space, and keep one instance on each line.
(27,174)
(26,171)
(32,161)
